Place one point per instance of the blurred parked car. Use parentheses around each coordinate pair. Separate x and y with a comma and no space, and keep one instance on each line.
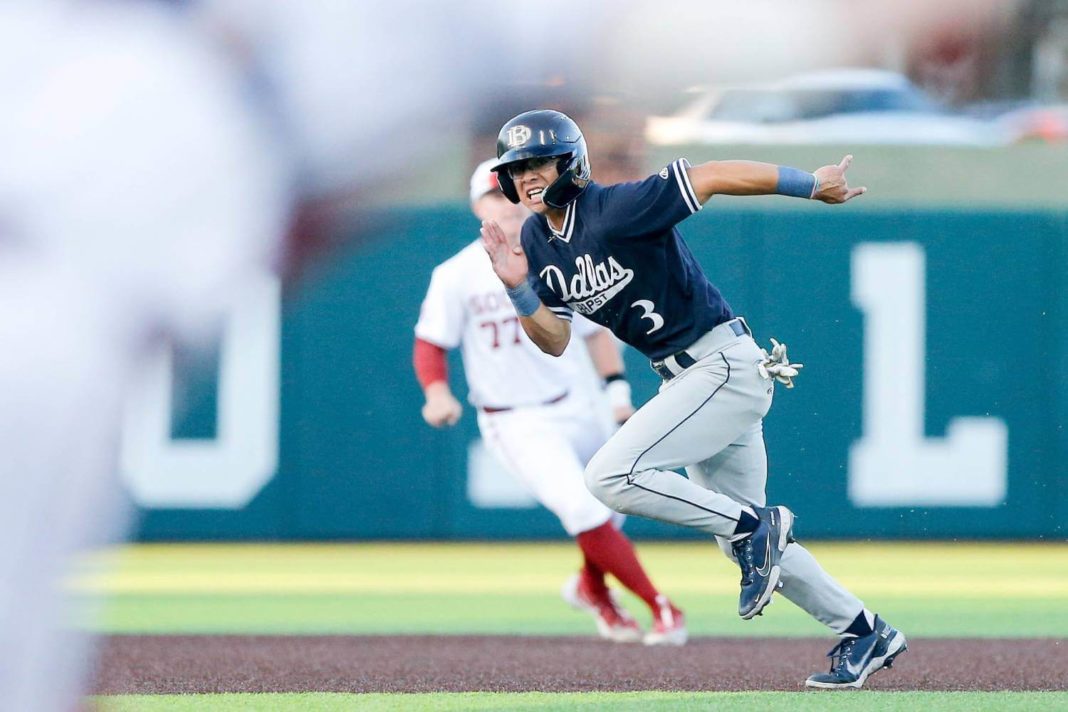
(1047,123)
(850,106)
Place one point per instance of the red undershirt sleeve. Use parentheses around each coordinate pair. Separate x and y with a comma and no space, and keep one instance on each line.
(429,362)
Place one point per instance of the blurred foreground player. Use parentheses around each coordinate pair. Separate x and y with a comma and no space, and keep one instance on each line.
(137,195)
(536,415)
(614,254)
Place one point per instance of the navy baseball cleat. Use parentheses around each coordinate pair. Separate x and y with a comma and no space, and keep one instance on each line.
(854,659)
(758,556)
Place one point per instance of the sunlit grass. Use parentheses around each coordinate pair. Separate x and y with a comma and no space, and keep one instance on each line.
(968,589)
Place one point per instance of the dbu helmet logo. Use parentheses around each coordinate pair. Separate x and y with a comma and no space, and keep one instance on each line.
(518,135)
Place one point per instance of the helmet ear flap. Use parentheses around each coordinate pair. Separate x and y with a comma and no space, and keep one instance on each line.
(507,186)
(565,162)
(574,170)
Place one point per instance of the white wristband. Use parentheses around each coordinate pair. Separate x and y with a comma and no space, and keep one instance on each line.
(618,392)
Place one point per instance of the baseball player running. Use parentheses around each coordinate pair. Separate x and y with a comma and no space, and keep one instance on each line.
(613,254)
(543,426)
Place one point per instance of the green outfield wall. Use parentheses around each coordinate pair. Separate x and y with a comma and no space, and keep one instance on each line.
(932,404)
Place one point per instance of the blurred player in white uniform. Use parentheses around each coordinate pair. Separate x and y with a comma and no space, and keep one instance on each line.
(138,193)
(543,427)
(143,182)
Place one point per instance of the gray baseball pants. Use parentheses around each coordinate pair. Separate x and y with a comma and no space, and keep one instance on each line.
(709,419)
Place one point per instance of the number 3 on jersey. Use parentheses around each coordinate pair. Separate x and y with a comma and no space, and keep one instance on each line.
(648,312)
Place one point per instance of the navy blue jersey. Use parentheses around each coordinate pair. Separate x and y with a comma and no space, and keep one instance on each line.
(621,262)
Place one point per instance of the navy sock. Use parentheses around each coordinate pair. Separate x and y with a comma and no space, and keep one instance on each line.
(861,625)
(747,523)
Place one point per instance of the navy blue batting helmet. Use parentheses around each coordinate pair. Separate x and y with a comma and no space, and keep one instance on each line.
(541,134)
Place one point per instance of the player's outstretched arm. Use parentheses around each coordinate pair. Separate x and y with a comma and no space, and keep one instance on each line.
(827,184)
(548,331)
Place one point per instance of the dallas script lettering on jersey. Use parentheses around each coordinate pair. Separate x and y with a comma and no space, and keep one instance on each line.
(593,284)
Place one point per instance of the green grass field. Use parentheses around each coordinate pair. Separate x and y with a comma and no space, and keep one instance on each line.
(929,590)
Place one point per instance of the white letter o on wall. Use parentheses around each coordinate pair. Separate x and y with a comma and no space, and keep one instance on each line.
(228,471)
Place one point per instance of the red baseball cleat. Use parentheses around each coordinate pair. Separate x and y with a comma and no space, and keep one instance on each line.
(613,621)
(669,625)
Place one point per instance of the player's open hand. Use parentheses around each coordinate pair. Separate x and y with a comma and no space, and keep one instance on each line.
(832,186)
(509,260)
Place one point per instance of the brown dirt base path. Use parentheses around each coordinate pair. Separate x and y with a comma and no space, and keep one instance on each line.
(188,664)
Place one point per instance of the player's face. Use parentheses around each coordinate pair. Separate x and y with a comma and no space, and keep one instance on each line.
(494,206)
(532,178)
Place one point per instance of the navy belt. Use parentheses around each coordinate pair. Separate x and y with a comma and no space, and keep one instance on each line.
(505,409)
(684,360)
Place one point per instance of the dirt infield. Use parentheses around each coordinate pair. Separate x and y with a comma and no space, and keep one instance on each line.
(187,664)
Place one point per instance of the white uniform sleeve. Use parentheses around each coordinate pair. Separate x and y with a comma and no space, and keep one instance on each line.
(583,328)
(441,317)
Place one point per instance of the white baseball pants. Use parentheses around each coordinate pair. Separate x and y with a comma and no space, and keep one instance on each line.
(546,448)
